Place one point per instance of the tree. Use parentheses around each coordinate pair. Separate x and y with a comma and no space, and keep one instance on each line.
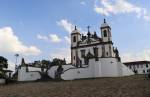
(45,64)
(3,64)
(57,62)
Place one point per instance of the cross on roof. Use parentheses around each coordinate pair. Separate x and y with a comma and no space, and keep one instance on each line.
(88,28)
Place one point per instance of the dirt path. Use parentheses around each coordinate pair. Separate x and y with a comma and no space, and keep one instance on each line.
(134,86)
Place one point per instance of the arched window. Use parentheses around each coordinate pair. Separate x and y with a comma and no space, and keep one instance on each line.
(105,33)
(74,39)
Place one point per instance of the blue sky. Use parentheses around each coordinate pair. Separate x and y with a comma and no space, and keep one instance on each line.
(40,29)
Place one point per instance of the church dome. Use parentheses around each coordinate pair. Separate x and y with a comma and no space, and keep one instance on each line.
(104,24)
(75,31)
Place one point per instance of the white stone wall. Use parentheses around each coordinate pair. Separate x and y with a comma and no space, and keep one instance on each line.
(109,67)
(92,71)
(28,76)
(105,67)
(125,70)
(52,70)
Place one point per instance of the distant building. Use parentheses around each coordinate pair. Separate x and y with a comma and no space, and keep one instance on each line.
(139,67)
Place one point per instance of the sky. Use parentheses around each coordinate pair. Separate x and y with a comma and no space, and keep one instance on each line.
(40,29)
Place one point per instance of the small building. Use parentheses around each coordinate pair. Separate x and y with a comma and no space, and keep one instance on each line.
(28,73)
(139,67)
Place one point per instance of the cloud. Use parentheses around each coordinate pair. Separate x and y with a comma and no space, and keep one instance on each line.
(54,38)
(66,25)
(136,56)
(42,37)
(82,3)
(51,37)
(108,7)
(10,43)
(67,39)
(62,53)
(11,66)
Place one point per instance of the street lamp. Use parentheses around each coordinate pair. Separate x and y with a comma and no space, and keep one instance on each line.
(16,55)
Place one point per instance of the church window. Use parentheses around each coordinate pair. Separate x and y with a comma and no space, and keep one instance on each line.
(74,57)
(103,51)
(95,49)
(130,66)
(107,53)
(74,39)
(82,53)
(146,65)
(105,33)
(143,71)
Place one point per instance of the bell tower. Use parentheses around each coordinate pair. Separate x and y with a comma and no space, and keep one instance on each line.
(106,32)
(107,48)
(75,38)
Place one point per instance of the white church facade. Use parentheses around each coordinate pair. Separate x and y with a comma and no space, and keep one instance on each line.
(92,56)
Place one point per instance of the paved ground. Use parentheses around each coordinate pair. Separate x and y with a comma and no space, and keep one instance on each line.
(133,86)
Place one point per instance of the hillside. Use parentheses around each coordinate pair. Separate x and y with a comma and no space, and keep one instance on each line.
(133,86)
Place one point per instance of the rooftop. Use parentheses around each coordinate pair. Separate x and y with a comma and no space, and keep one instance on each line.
(137,62)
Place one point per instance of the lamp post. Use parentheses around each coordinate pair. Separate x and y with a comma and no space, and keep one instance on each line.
(16,55)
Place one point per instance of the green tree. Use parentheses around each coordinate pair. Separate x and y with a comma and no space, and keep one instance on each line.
(57,62)
(45,64)
(3,64)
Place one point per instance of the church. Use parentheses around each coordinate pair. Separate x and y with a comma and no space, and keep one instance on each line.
(92,56)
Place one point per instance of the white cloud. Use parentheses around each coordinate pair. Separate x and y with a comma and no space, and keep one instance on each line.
(66,25)
(42,37)
(62,53)
(67,39)
(108,7)
(10,43)
(51,37)
(11,66)
(136,56)
(54,38)
(82,3)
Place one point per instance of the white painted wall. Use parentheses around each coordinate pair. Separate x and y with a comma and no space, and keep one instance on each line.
(109,67)
(28,76)
(125,70)
(79,73)
(52,70)
(105,67)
